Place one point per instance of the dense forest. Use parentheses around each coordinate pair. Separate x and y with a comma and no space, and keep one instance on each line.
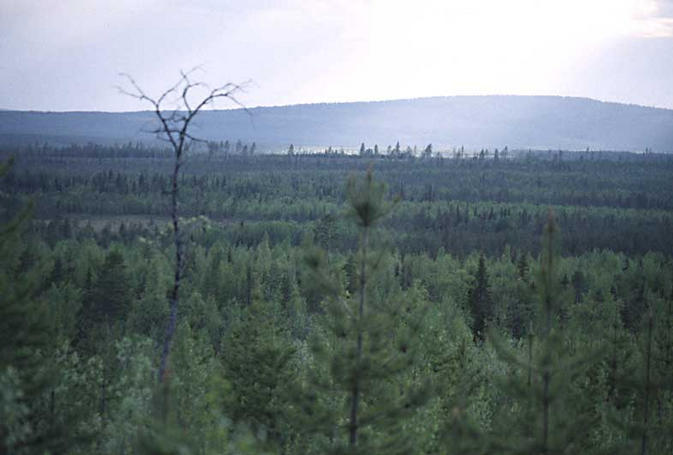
(380,303)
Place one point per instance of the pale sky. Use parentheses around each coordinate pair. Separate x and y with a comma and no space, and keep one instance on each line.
(67,54)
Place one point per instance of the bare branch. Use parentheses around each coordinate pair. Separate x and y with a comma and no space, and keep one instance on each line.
(195,139)
(138,94)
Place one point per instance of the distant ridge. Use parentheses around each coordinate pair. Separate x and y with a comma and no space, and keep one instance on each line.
(540,122)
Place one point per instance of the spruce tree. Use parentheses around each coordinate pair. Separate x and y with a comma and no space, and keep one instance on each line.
(258,364)
(112,296)
(481,305)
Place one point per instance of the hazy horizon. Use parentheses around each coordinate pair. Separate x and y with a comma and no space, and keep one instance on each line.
(67,56)
(364,101)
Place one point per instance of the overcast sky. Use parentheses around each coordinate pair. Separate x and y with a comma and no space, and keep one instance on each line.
(67,54)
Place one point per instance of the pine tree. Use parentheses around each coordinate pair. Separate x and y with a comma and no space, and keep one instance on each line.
(365,348)
(27,425)
(546,414)
(647,429)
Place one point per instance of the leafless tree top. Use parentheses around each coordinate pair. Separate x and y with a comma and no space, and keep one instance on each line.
(187,97)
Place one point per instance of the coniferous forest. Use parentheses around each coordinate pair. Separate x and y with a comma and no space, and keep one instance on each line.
(392,302)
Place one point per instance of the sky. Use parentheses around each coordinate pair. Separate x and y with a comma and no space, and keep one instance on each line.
(62,55)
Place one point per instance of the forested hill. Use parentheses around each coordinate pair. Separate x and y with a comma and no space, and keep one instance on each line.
(472,121)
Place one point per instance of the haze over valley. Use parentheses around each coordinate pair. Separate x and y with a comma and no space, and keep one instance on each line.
(474,122)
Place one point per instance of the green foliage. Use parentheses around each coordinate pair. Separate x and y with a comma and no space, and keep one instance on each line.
(367,347)
(27,422)
(479,297)
(14,412)
(547,411)
(266,353)
(258,359)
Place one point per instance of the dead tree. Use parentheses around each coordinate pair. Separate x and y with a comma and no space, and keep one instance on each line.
(174,128)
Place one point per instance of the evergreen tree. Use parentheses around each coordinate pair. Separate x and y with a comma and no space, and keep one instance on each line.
(547,413)
(522,267)
(110,296)
(365,348)
(479,297)
(647,429)
(427,152)
(258,363)
(27,424)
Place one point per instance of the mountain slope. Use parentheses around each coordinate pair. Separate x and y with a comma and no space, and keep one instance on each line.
(472,121)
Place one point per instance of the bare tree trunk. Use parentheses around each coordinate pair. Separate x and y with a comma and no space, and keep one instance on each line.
(174,129)
(175,292)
